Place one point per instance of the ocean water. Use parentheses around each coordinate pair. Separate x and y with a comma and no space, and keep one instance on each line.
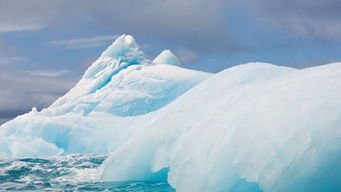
(66,173)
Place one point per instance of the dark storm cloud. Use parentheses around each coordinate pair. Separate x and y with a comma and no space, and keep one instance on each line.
(310,18)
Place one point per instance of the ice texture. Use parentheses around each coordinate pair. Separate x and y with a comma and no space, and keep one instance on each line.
(123,82)
(249,128)
(167,57)
(89,118)
(253,127)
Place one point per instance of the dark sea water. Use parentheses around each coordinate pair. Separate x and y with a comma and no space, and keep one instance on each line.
(67,173)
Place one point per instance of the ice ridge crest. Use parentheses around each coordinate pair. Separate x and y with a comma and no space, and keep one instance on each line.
(167,57)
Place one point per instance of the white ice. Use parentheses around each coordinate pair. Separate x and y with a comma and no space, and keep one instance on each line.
(90,117)
(252,127)
(167,57)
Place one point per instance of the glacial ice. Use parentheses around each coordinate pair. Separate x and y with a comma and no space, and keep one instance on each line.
(123,82)
(167,57)
(89,118)
(252,127)
(256,125)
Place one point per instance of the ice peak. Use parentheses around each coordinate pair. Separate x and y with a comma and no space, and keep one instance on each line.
(122,53)
(167,57)
(121,45)
(125,50)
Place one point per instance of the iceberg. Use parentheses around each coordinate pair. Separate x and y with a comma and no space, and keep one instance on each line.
(253,127)
(249,128)
(93,116)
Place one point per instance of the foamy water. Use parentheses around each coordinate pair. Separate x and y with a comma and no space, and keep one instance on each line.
(66,173)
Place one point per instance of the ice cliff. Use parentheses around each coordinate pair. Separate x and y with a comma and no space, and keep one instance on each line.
(252,127)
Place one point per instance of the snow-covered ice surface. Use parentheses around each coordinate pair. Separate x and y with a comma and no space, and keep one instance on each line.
(252,127)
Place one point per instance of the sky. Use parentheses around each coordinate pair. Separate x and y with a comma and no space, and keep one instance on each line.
(46,45)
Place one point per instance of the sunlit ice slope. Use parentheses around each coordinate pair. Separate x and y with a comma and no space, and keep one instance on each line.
(92,117)
(253,127)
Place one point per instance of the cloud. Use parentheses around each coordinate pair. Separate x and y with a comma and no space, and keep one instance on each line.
(91,42)
(22,90)
(186,56)
(48,73)
(19,92)
(17,27)
(11,60)
(314,19)
(192,23)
